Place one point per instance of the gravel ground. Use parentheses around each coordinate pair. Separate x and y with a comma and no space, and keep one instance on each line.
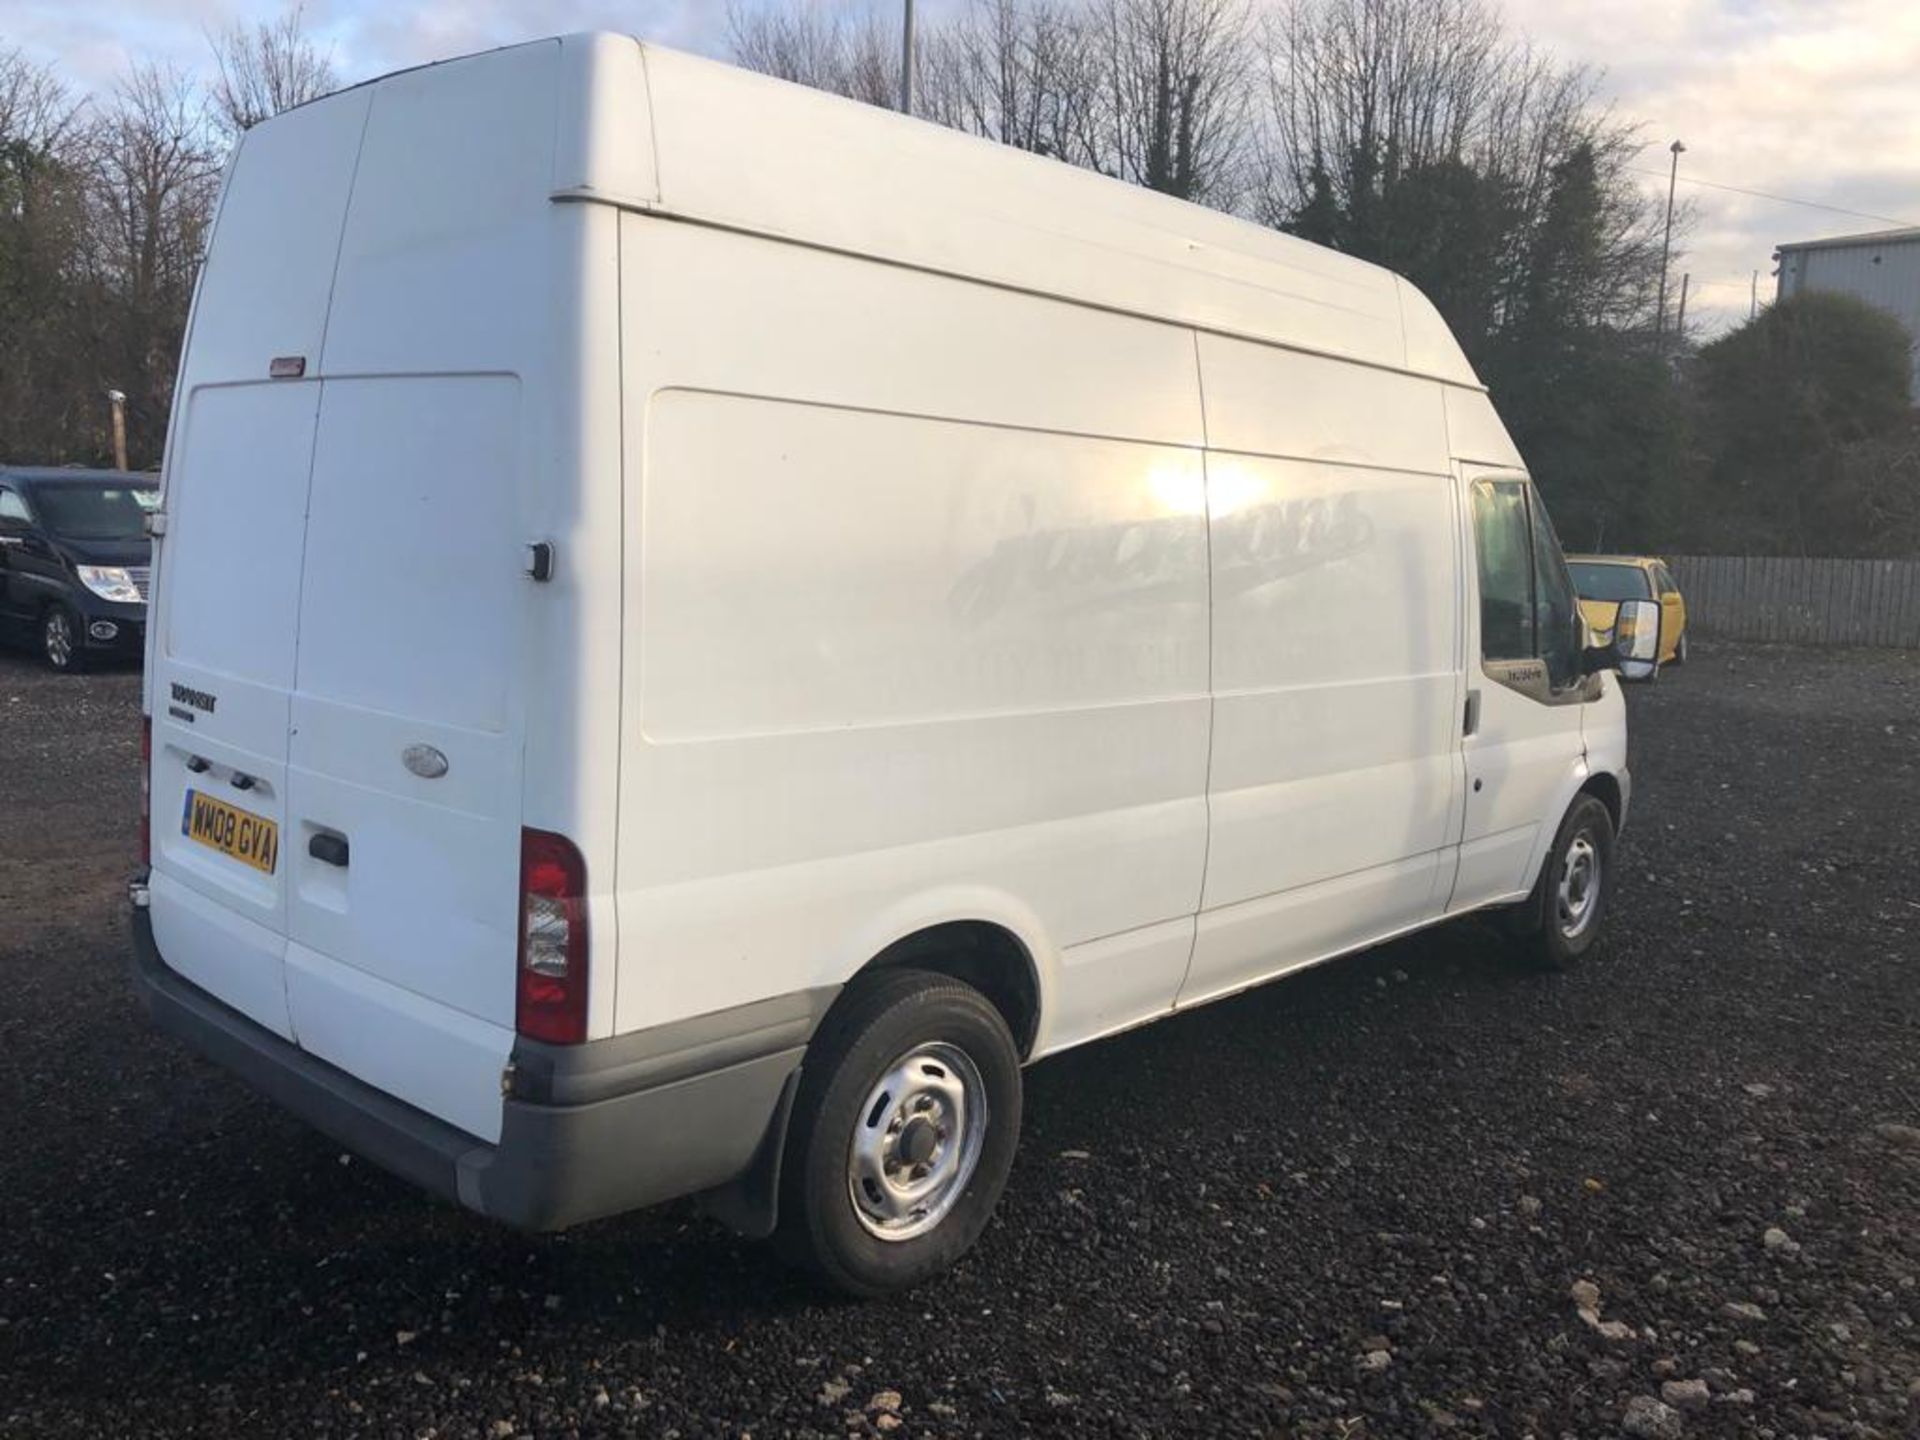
(1373,1200)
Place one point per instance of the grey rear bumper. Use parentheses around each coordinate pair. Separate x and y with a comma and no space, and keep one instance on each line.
(587,1131)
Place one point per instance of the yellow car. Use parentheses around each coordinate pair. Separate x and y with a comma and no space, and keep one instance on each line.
(1605,580)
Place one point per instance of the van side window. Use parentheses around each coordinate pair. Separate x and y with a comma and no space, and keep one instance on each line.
(1555,605)
(1663,581)
(13,511)
(1505,549)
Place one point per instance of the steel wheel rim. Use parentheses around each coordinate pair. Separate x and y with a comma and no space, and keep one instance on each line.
(59,639)
(1578,895)
(916,1141)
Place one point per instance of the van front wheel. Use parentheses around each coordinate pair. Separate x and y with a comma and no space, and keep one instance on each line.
(903,1132)
(1561,920)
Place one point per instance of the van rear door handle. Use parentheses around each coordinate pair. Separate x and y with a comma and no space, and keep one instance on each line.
(1472,719)
(330,848)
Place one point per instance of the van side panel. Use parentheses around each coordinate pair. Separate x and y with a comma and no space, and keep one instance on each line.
(930,645)
(810,567)
(1335,764)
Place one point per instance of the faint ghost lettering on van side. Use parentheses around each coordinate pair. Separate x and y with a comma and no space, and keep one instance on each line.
(1288,539)
(1136,563)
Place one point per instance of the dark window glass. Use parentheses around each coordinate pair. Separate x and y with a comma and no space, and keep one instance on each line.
(1503,544)
(1556,610)
(95,512)
(1602,581)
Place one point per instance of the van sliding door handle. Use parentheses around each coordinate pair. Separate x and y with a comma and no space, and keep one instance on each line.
(1472,720)
(330,848)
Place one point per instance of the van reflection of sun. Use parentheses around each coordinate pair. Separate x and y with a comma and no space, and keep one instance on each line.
(1185,489)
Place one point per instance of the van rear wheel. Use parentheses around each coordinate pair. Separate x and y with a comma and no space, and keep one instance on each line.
(903,1132)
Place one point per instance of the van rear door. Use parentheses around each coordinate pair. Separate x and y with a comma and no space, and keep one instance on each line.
(402,845)
(228,572)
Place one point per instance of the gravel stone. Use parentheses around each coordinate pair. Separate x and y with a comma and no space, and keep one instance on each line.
(1900,1137)
(1651,1419)
(1686,1394)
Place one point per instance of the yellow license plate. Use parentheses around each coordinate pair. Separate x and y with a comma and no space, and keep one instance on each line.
(251,839)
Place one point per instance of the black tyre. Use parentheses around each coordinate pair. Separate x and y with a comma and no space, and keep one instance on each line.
(62,641)
(1680,649)
(903,1132)
(1560,922)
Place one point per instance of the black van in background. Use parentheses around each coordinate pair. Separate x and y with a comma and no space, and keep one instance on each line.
(74,561)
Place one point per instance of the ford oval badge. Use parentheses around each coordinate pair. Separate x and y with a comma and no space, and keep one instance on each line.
(424,761)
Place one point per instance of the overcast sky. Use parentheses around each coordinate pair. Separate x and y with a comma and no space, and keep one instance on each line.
(1811,99)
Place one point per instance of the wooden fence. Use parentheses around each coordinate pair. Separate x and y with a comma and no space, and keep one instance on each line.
(1802,601)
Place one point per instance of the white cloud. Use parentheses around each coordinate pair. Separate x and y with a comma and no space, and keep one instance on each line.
(1810,100)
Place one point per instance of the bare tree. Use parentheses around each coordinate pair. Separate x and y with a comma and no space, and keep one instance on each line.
(1386,116)
(154,174)
(43,231)
(1177,75)
(264,69)
(830,47)
(36,108)
(1027,75)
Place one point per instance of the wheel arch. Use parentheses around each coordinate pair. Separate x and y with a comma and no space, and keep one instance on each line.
(992,955)
(1583,780)
(1605,786)
(985,954)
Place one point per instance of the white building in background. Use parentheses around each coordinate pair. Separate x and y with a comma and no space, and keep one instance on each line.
(1881,268)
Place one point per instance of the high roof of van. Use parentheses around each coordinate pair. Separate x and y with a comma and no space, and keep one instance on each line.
(656,130)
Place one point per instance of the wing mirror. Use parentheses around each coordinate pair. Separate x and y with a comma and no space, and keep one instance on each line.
(1632,647)
(1636,638)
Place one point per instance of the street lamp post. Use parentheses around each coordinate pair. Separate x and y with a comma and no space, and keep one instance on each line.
(1666,243)
(906,61)
(118,403)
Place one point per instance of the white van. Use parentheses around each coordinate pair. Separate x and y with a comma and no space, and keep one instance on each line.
(700,626)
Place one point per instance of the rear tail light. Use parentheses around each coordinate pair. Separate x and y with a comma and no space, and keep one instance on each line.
(550,1001)
(146,790)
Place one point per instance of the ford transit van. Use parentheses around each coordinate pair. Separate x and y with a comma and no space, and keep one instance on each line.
(699,627)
